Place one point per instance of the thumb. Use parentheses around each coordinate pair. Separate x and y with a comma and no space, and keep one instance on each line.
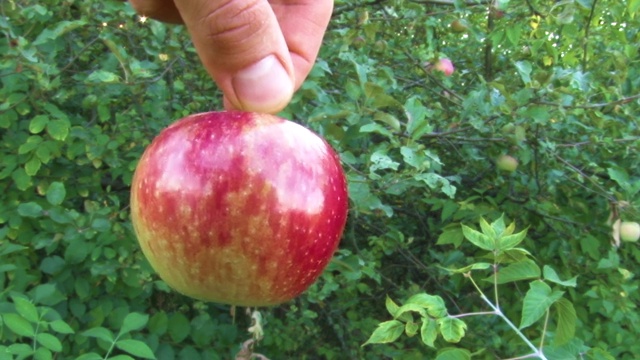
(243,49)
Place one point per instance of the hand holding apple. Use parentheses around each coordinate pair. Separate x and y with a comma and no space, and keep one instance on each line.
(238,208)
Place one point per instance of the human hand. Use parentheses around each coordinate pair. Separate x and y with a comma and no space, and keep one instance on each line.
(257,51)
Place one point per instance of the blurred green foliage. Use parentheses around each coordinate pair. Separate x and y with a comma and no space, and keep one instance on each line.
(86,85)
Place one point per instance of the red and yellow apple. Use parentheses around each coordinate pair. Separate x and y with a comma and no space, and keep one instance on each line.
(507,163)
(445,65)
(239,208)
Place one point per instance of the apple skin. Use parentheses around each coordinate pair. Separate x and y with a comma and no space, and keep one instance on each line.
(445,65)
(239,208)
(507,163)
(629,231)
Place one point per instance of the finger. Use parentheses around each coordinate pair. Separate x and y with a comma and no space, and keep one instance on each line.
(163,10)
(242,47)
(303,23)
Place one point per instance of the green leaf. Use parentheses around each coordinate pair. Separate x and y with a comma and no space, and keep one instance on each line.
(537,302)
(429,331)
(466,269)
(26,309)
(61,327)
(38,123)
(42,353)
(551,275)
(434,304)
(478,239)
(453,236)
(89,356)
(132,322)
(32,143)
(21,179)
(452,329)
(522,270)
(58,129)
(30,209)
(386,332)
(102,76)
(56,193)
(19,325)
(49,341)
(136,348)
(453,354)
(417,123)
(566,319)
(32,166)
(488,230)
(411,328)
(179,327)
(524,69)
(100,333)
(159,323)
(511,241)
(408,308)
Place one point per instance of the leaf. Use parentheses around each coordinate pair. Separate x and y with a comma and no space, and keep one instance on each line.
(407,308)
(136,348)
(49,341)
(159,323)
(58,129)
(434,304)
(100,333)
(511,241)
(19,325)
(417,124)
(30,209)
(386,332)
(38,123)
(132,322)
(453,354)
(476,266)
(452,236)
(452,329)
(551,275)
(566,319)
(522,270)
(179,327)
(56,193)
(537,302)
(32,166)
(477,238)
(411,328)
(429,331)
(102,76)
(488,230)
(89,356)
(26,309)
(61,327)
(524,69)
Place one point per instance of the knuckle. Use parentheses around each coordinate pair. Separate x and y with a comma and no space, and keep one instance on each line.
(231,22)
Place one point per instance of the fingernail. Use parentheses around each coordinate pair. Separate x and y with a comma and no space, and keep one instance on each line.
(264,86)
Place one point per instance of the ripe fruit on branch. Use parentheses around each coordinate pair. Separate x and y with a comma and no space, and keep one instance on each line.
(629,231)
(445,65)
(459,26)
(238,208)
(507,163)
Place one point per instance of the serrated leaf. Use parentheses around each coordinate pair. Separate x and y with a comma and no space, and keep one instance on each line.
(537,302)
(386,332)
(100,333)
(453,354)
(19,325)
(566,319)
(429,331)
(136,348)
(61,327)
(522,270)
(551,275)
(452,329)
(132,322)
(26,309)
(434,304)
(49,341)
(478,239)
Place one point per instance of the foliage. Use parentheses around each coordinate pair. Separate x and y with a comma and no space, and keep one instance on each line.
(86,85)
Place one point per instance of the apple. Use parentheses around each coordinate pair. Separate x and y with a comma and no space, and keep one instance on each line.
(629,231)
(507,163)
(445,65)
(238,208)
(458,26)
